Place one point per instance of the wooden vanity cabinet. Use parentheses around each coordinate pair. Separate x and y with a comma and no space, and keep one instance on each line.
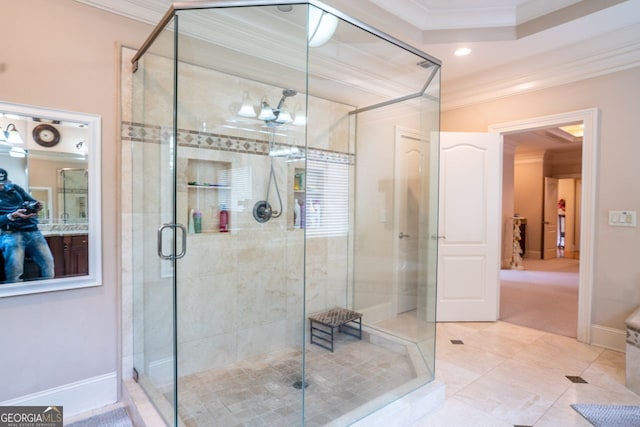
(70,254)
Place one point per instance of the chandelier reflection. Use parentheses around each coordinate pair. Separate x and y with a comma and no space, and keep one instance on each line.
(273,117)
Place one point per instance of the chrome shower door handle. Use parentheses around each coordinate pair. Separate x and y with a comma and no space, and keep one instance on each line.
(184,241)
(159,241)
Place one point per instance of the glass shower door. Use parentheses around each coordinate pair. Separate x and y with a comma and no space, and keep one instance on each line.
(154,243)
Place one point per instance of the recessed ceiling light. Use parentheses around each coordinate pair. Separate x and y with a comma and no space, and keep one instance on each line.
(575,130)
(462,51)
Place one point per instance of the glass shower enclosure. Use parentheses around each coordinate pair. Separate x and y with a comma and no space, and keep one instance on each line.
(284,193)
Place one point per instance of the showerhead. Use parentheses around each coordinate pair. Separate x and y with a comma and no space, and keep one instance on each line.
(285,94)
(289,92)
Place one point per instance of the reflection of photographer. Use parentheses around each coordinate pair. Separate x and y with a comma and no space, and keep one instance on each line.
(19,234)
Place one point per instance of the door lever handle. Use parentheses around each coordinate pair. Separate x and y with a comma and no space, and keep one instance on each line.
(402,235)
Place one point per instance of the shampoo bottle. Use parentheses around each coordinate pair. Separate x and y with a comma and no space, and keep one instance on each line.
(224,219)
(197,221)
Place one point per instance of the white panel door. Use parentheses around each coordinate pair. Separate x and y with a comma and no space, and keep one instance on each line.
(469,226)
(410,154)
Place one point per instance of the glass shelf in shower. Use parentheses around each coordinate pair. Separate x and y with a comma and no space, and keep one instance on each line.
(210,186)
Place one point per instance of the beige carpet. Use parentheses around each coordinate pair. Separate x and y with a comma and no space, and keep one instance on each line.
(543,296)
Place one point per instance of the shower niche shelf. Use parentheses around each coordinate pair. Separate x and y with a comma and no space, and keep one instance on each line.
(208,187)
(296,219)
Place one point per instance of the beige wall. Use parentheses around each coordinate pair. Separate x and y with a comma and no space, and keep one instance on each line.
(616,274)
(64,55)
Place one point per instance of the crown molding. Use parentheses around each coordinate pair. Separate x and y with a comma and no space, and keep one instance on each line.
(616,51)
(147,11)
(561,15)
(533,9)
(436,15)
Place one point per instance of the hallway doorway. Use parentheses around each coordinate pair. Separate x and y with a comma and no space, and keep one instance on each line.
(543,292)
(579,270)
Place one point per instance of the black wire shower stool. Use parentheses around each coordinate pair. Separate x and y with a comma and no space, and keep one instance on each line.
(322,326)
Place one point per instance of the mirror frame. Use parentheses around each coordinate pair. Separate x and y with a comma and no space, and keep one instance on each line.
(94,278)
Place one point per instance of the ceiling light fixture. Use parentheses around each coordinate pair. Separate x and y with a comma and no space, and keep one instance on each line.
(285,8)
(575,130)
(284,116)
(277,116)
(561,136)
(10,135)
(266,112)
(300,118)
(322,26)
(82,148)
(463,51)
(246,110)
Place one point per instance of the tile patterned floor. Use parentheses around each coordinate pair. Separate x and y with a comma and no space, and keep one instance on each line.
(508,375)
(500,375)
(260,392)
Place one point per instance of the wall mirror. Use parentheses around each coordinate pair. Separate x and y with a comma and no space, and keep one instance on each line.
(55,157)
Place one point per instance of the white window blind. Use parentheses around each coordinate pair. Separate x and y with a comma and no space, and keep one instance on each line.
(327,198)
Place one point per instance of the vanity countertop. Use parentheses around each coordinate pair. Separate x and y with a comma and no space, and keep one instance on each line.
(64,233)
(63,229)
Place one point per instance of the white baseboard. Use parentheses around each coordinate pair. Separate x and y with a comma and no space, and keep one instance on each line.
(75,398)
(603,336)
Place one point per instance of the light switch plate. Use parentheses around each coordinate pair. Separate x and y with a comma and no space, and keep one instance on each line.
(622,218)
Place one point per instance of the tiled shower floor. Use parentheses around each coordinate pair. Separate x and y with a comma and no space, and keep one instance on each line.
(260,392)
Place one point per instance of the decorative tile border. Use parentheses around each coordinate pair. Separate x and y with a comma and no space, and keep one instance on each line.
(139,132)
(73,191)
